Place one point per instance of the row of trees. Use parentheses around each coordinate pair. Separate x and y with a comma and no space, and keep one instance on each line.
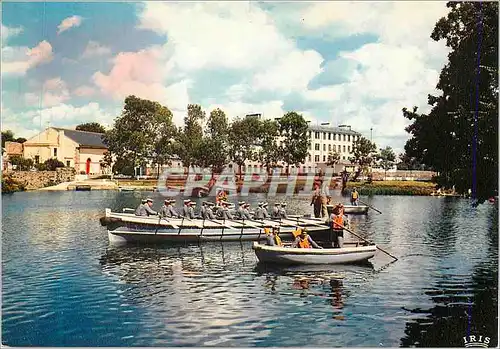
(145,132)
(459,137)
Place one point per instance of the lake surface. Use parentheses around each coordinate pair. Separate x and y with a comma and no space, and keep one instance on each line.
(64,285)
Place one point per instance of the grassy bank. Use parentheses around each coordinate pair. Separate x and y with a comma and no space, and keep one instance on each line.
(392,188)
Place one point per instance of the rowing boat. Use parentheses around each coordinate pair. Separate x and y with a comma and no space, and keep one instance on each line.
(126,227)
(351,209)
(352,253)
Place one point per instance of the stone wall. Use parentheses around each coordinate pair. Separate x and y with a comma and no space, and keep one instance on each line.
(40,179)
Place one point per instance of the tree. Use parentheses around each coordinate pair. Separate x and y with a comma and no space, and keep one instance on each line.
(293,128)
(243,139)
(91,127)
(7,136)
(213,151)
(188,140)
(333,158)
(269,153)
(459,137)
(21,163)
(387,159)
(140,134)
(363,154)
(52,164)
(20,140)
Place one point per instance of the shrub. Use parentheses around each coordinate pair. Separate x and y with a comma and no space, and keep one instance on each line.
(9,185)
(52,164)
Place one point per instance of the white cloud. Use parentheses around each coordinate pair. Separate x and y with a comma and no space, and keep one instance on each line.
(68,23)
(18,60)
(26,124)
(8,32)
(94,49)
(84,91)
(53,92)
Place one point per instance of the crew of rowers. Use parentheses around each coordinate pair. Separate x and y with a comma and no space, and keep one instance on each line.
(209,210)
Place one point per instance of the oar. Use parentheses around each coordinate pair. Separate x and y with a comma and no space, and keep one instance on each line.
(373,208)
(362,238)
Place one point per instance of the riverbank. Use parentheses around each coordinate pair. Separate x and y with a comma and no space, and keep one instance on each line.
(412,188)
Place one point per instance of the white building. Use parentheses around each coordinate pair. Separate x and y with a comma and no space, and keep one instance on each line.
(323,141)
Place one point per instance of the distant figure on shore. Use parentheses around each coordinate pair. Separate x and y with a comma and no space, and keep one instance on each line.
(145,209)
(167,210)
(354,197)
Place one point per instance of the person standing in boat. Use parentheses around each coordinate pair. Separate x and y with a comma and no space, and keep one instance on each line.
(317,201)
(354,197)
(337,223)
(140,208)
(305,241)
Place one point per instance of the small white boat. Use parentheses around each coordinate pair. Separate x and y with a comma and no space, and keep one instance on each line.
(351,209)
(291,255)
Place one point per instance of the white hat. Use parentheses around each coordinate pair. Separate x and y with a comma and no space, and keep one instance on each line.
(187,201)
(276,204)
(143,201)
(283,204)
(149,199)
(260,204)
(264,204)
(241,203)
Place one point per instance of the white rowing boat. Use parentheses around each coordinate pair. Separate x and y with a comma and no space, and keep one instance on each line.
(351,209)
(353,253)
(127,227)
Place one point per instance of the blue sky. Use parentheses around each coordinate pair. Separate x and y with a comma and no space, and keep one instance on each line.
(69,63)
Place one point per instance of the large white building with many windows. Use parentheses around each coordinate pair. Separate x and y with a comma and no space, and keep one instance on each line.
(324,140)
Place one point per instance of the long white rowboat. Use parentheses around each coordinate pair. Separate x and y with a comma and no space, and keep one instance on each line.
(292,255)
(126,227)
(351,209)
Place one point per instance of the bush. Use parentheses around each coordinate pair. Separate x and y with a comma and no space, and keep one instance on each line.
(52,164)
(41,167)
(9,185)
(21,163)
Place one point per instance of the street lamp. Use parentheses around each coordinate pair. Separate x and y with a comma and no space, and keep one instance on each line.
(371,134)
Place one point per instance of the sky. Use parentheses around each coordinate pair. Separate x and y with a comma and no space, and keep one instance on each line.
(355,63)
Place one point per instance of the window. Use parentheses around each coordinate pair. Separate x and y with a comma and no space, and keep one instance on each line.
(316,135)
(324,147)
(344,138)
(316,146)
(329,147)
(310,146)
(348,138)
(316,158)
(329,136)
(348,148)
(343,157)
(68,163)
(344,148)
(334,136)
(309,158)
(55,152)
(324,158)
(37,159)
(281,144)
(324,135)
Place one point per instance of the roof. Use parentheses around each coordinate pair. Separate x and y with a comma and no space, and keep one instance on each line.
(342,130)
(84,138)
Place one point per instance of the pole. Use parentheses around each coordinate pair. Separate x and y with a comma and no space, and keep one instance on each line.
(362,238)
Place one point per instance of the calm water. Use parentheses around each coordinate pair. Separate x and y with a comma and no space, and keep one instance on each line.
(64,285)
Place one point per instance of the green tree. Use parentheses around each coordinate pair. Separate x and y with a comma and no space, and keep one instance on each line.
(213,151)
(20,140)
(363,151)
(387,158)
(7,136)
(188,140)
(243,139)
(333,158)
(141,134)
(52,164)
(91,127)
(21,163)
(293,128)
(459,137)
(269,153)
